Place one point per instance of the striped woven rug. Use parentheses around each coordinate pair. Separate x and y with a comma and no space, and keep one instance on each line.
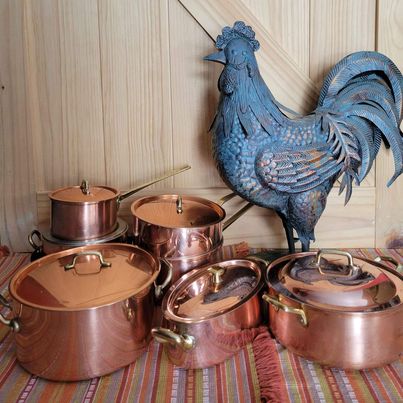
(263,370)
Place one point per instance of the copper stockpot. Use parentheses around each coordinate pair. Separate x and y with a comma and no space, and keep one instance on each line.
(83,312)
(341,315)
(86,212)
(207,312)
(184,230)
(45,243)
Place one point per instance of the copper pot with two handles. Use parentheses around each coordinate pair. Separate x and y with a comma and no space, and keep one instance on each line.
(336,309)
(209,311)
(184,230)
(86,212)
(83,312)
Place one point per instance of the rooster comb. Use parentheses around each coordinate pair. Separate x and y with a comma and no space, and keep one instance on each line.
(239,30)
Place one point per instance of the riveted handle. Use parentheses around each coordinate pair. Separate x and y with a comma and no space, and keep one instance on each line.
(286,308)
(72,265)
(354,270)
(12,323)
(159,288)
(167,336)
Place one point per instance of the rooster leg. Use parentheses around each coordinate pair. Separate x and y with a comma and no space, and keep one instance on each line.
(289,234)
(305,244)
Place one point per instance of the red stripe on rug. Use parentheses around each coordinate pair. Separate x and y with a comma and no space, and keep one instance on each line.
(271,382)
(251,388)
(302,384)
(219,389)
(333,385)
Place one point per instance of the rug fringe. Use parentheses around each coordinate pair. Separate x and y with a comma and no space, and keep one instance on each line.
(268,368)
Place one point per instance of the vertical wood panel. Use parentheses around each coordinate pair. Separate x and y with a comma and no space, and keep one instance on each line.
(389,202)
(136,90)
(194,98)
(288,22)
(82,141)
(338,28)
(17,183)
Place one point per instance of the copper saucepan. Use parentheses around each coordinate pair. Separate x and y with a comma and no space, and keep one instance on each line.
(185,230)
(345,313)
(83,312)
(86,212)
(208,311)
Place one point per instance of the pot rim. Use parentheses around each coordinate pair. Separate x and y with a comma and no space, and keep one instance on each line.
(51,257)
(186,278)
(331,309)
(53,197)
(208,203)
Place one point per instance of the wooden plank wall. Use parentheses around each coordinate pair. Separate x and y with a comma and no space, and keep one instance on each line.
(117,92)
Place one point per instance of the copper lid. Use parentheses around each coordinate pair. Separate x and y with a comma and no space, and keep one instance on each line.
(212,290)
(85,277)
(175,211)
(335,280)
(84,193)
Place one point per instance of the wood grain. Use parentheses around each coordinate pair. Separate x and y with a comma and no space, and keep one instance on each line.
(136,90)
(389,201)
(17,204)
(289,84)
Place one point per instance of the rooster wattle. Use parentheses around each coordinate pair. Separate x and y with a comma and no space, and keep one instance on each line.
(290,165)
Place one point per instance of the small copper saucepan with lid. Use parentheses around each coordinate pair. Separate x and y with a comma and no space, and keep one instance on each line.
(208,311)
(184,230)
(86,212)
(344,312)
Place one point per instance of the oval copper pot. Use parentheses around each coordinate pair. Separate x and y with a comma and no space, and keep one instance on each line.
(85,212)
(357,328)
(83,312)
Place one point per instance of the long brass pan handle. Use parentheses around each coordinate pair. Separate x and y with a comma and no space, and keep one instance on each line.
(167,336)
(286,308)
(12,323)
(141,187)
(399,266)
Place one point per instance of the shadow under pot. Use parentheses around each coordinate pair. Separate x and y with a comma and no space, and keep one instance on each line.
(83,312)
(340,311)
(184,230)
(209,313)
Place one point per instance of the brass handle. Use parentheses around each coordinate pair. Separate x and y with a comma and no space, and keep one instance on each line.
(289,309)
(179,205)
(226,198)
(85,187)
(12,323)
(71,265)
(236,215)
(141,187)
(167,336)
(159,288)
(217,273)
(399,266)
(37,234)
(354,270)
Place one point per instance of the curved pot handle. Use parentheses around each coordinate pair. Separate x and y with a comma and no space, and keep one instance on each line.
(72,265)
(286,308)
(167,336)
(159,288)
(354,270)
(13,323)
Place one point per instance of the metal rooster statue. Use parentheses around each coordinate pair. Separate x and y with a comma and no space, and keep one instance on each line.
(290,165)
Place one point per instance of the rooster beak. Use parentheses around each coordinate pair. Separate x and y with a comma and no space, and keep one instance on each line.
(216,57)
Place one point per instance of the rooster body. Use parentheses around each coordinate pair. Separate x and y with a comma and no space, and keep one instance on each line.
(290,165)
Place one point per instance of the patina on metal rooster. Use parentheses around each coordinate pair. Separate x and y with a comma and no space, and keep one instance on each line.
(290,165)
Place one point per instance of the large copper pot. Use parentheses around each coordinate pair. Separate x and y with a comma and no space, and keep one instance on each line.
(345,312)
(83,312)
(85,212)
(208,311)
(184,230)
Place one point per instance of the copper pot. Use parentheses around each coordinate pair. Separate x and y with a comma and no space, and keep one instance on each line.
(86,212)
(208,310)
(344,313)
(83,312)
(45,243)
(185,230)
